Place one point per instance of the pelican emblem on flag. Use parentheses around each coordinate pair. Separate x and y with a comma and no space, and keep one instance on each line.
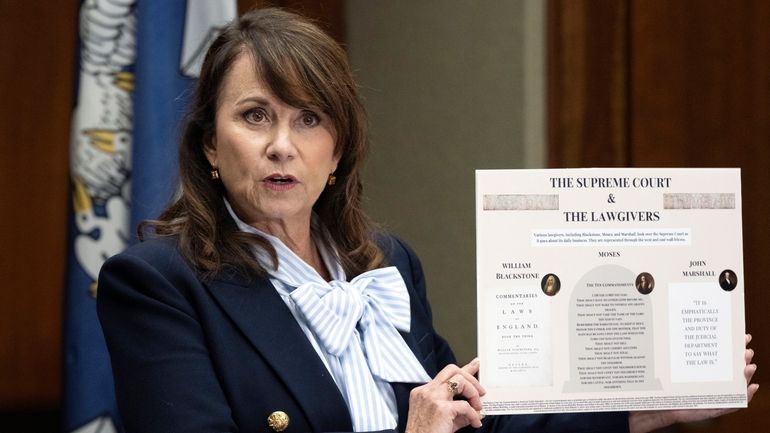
(100,155)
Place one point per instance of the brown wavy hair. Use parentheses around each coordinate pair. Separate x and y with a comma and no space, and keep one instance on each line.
(300,64)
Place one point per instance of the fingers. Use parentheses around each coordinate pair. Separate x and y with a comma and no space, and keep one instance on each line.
(751,390)
(453,381)
(472,367)
(467,389)
(749,356)
(471,387)
(749,352)
(749,371)
(450,370)
(466,414)
(463,376)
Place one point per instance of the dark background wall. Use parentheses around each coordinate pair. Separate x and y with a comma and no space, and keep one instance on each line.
(37,41)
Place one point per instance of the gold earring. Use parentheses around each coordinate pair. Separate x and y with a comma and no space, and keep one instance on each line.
(214,174)
(332,180)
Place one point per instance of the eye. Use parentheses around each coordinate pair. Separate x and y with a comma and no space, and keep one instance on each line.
(309,118)
(255,115)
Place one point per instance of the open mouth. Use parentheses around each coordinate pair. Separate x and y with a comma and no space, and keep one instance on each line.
(280,180)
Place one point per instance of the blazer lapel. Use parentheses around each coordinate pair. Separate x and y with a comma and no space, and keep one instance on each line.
(260,313)
(402,390)
(412,343)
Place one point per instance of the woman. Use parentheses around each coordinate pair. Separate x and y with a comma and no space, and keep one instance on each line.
(264,297)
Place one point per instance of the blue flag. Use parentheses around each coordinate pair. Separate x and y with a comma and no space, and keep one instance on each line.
(172,39)
(138,60)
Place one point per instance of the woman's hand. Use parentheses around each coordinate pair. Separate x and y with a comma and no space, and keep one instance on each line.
(645,421)
(432,407)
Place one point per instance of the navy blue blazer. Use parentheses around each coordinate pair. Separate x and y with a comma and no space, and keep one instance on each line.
(222,355)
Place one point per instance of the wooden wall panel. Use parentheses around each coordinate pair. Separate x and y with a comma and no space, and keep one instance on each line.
(701,98)
(587,83)
(696,94)
(329,14)
(37,41)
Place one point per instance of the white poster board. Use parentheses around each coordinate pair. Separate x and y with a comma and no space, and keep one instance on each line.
(610,289)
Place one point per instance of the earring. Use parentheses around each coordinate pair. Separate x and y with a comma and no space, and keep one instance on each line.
(332,180)
(214,174)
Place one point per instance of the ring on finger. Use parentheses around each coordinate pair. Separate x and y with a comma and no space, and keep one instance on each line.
(454,386)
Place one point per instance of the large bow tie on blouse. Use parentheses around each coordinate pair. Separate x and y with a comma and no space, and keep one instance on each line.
(373,307)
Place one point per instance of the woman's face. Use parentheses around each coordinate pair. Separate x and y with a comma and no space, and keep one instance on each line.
(273,159)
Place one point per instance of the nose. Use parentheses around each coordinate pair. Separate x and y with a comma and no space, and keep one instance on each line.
(281,146)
